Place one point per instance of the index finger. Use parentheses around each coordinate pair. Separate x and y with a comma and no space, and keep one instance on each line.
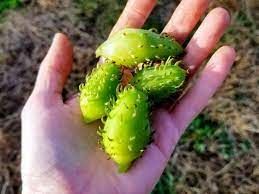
(134,14)
(185,17)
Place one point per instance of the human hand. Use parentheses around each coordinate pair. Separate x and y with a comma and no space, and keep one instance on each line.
(60,153)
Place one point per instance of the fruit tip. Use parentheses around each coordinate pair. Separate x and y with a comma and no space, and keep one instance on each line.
(122,168)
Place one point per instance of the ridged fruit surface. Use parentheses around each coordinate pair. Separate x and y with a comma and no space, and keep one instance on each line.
(160,82)
(99,91)
(127,129)
(130,47)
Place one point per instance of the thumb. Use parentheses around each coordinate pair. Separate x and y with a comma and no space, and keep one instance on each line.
(55,67)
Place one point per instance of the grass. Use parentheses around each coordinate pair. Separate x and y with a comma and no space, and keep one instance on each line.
(203,133)
(108,12)
(204,136)
(166,184)
(9,4)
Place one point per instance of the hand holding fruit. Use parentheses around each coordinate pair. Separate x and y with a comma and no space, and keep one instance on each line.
(127,130)
(60,153)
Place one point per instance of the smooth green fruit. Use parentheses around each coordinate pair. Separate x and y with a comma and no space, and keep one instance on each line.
(127,130)
(130,47)
(160,82)
(98,91)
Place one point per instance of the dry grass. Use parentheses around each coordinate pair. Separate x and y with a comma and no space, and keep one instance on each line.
(26,34)
(236,104)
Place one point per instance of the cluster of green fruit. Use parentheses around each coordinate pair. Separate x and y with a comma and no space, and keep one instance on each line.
(126,107)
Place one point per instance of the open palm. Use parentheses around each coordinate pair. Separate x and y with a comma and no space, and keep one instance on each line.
(60,153)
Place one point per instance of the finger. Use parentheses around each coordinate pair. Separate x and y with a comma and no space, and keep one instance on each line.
(169,127)
(184,18)
(206,37)
(134,14)
(198,96)
(55,67)
(146,169)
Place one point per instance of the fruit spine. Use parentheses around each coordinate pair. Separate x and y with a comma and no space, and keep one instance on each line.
(127,130)
(159,82)
(99,91)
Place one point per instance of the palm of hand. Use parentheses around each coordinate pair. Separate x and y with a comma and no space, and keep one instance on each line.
(67,153)
(60,153)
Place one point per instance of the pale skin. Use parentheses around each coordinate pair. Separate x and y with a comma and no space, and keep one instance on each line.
(60,153)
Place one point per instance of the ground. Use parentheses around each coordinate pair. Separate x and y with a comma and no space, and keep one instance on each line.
(219,152)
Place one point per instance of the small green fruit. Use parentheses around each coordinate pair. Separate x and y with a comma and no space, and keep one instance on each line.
(160,82)
(98,91)
(127,129)
(130,47)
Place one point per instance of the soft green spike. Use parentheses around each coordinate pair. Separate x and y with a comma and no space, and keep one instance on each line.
(98,91)
(130,47)
(160,82)
(127,130)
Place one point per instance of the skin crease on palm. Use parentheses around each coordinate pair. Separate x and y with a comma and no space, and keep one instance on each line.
(60,153)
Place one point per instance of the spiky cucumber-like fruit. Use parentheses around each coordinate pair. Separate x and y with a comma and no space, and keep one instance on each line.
(131,46)
(99,91)
(127,130)
(160,82)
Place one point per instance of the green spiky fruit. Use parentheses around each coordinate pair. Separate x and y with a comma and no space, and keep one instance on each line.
(160,82)
(131,46)
(127,130)
(98,91)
